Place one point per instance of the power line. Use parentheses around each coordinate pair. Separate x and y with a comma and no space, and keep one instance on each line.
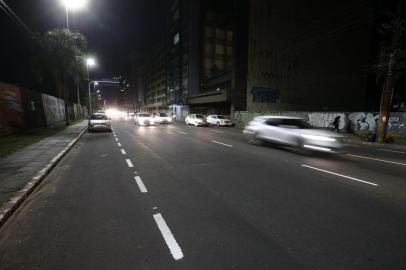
(9,12)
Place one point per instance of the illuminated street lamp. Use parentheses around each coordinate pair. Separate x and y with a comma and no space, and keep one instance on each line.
(73,5)
(89,63)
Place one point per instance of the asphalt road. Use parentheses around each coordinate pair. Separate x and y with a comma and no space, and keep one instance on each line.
(180,197)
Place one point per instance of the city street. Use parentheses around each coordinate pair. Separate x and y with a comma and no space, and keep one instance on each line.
(182,197)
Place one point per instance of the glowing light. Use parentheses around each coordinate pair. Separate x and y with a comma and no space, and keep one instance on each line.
(74,4)
(90,62)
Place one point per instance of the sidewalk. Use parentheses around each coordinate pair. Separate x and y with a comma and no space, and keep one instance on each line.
(358,140)
(21,171)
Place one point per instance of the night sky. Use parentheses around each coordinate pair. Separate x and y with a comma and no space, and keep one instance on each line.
(113,29)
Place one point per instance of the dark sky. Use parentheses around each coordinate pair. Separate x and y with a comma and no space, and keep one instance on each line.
(113,29)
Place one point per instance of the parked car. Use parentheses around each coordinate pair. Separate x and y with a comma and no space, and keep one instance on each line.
(218,120)
(196,120)
(143,119)
(162,118)
(292,131)
(99,121)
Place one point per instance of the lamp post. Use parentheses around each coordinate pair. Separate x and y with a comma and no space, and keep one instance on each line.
(89,62)
(72,5)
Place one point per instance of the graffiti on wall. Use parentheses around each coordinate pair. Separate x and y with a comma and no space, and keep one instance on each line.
(325,120)
(11,109)
(354,122)
(54,109)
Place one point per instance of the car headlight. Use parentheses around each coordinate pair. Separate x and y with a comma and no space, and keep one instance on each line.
(318,138)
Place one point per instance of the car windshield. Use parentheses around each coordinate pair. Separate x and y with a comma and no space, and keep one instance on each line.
(98,117)
(200,116)
(221,117)
(163,114)
(143,115)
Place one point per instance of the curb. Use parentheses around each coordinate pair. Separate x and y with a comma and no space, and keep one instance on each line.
(8,208)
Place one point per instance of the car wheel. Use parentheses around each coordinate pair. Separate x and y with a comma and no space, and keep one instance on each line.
(255,140)
(218,124)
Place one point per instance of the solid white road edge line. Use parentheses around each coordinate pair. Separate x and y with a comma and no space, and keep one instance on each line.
(119,144)
(222,143)
(123,151)
(170,240)
(140,184)
(376,159)
(129,163)
(393,151)
(181,132)
(337,174)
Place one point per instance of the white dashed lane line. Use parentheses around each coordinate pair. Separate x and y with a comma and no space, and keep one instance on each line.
(140,184)
(129,163)
(377,159)
(119,144)
(116,139)
(123,151)
(341,175)
(170,240)
(181,132)
(392,151)
(228,145)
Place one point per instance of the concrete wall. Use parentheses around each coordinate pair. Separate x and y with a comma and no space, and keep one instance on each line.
(301,57)
(360,123)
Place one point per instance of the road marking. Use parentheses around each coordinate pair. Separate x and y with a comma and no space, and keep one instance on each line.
(129,163)
(114,135)
(218,131)
(229,145)
(168,237)
(123,151)
(181,132)
(141,185)
(119,144)
(376,159)
(116,139)
(393,151)
(345,176)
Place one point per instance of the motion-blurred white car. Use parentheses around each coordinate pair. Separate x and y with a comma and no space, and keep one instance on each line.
(292,131)
(196,120)
(218,120)
(162,118)
(99,121)
(143,119)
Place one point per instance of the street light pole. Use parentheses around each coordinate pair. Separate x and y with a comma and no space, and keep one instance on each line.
(88,80)
(67,16)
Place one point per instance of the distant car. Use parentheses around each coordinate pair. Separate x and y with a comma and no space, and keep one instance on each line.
(99,121)
(196,120)
(162,118)
(218,120)
(292,131)
(143,119)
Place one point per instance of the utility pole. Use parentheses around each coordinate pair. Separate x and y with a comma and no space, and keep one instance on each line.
(387,91)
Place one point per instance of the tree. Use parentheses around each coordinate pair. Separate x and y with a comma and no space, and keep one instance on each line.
(62,54)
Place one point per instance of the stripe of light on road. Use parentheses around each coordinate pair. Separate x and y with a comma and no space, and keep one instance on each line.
(129,163)
(228,145)
(119,144)
(170,240)
(341,175)
(123,151)
(140,184)
(377,159)
(392,151)
(181,132)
